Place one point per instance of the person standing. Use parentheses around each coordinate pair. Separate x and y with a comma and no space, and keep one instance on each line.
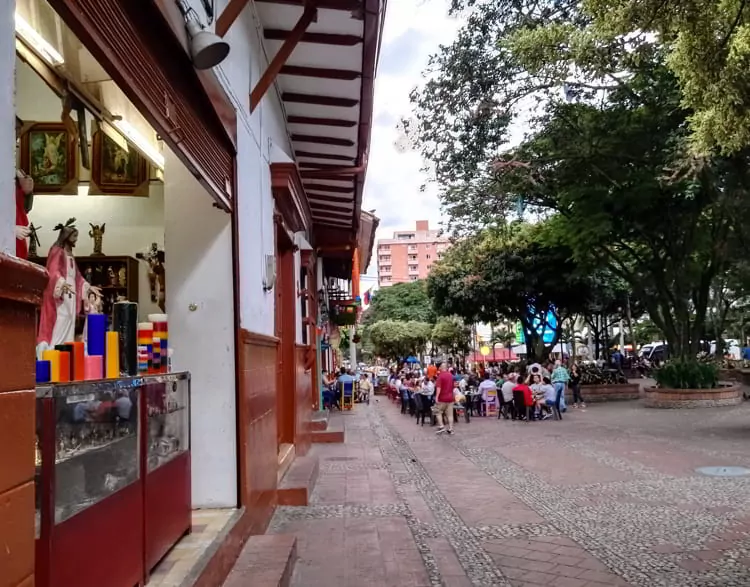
(575,384)
(560,378)
(445,399)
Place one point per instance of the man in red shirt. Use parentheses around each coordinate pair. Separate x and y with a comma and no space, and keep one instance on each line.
(445,399)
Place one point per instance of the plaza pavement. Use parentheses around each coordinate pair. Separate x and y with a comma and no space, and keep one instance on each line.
(609,496)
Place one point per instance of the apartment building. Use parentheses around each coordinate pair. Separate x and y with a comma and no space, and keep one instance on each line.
(409,255)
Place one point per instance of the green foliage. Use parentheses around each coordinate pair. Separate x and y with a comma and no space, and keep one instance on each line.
(395,339)
(517,275)
(451,335)
(403,302)
(684,374)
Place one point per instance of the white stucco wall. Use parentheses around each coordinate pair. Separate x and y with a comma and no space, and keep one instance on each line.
(7,128)
(198,238)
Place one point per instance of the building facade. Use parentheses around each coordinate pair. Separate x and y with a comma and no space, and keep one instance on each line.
(262,162)
(409,255)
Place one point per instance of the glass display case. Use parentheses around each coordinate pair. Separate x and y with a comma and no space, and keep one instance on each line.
(168,422)
(101,449)
(94,429)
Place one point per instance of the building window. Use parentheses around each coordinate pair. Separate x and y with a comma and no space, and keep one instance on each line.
(385,247)
(428,256)
(412,257)
(427,246)
(412,278)
(385,268)
(386,279)
(413,267)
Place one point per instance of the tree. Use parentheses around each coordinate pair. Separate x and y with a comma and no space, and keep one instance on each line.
(451,335)
(396,340)
(518,276)
(606,158)
(403,302)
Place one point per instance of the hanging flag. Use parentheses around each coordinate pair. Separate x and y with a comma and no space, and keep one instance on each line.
(367,297)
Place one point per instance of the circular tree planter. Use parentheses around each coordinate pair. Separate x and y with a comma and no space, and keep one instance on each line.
(613,392)
(727,394)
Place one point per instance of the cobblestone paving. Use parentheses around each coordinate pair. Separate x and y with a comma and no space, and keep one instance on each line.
(609,496)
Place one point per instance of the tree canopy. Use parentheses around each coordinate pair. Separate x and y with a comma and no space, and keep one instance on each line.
(397,340)
(451,334)
(401,301)
(608,161)
(498,275)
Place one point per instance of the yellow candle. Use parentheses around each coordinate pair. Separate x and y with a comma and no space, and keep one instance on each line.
(113,355)
(54,364)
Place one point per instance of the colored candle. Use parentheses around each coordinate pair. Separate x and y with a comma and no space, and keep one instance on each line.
(156,355)
(125,323)
(92,367)
(95,334)
(53,357)
(162,332)
(145,344)
(43,371)
(64,366)
(79,367)
(65,348)
(143,359)
(113,355)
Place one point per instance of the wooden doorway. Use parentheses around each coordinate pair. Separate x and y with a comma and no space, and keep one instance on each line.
(286,333)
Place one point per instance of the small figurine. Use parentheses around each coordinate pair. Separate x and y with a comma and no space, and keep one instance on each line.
(156,274)
(111,276)
(97,233)
(88,275)
(122,275)
(34,241)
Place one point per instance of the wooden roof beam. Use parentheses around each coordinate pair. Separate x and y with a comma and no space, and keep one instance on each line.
(291,41)
(320,72)
(337,122)
(227,17)
(321,140)
(319,38)
(318,100)
(328,156)
(334,189)
(350,5)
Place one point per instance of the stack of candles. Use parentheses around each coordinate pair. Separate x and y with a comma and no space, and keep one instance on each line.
(101,356)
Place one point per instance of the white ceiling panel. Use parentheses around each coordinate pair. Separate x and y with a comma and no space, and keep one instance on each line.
(318,55)
(322,87)
(282,16)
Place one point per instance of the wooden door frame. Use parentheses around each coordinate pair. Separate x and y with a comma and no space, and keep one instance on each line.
(286,332)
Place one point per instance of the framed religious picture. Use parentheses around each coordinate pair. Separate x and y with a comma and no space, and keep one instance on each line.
(48,154)
(115,170)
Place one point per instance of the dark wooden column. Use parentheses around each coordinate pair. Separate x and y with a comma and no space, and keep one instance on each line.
(21,286)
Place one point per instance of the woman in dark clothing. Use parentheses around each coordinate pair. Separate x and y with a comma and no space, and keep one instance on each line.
(575,384)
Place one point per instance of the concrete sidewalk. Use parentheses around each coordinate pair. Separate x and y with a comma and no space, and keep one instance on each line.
(610,496)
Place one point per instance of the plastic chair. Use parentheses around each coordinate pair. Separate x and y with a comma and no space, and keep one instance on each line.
(347,395)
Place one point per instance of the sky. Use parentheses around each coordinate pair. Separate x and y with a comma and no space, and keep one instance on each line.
(414,29)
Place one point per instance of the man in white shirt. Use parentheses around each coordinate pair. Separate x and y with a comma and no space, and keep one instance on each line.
(507,394)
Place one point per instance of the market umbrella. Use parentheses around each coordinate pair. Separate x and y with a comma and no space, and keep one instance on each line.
(412,360)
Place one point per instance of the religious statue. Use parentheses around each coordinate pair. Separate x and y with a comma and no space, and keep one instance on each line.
(122,276)
(65,292)
(156,275)
(33,240)
(24,203)
(97,233)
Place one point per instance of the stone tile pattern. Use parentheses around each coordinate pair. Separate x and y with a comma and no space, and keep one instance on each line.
(608,496)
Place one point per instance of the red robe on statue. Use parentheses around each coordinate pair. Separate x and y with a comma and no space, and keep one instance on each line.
(58,271)
(22,219)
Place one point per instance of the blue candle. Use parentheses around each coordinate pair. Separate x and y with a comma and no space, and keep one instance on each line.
(43,371)
(96,334)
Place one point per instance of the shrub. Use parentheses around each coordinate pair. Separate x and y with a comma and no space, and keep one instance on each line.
(681,374)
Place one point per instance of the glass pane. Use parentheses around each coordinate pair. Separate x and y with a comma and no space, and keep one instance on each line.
(168,420)
(96,452)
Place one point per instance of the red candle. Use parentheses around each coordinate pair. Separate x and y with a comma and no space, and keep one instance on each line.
(79,369)
(64,366)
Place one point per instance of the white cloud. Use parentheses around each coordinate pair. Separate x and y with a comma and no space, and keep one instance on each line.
(414,30)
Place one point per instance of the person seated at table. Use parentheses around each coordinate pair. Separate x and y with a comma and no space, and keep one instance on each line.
(365,388)
(507,409)
(549,402)
(525,394)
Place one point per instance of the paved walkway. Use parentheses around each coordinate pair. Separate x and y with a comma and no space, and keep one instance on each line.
(610,496)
